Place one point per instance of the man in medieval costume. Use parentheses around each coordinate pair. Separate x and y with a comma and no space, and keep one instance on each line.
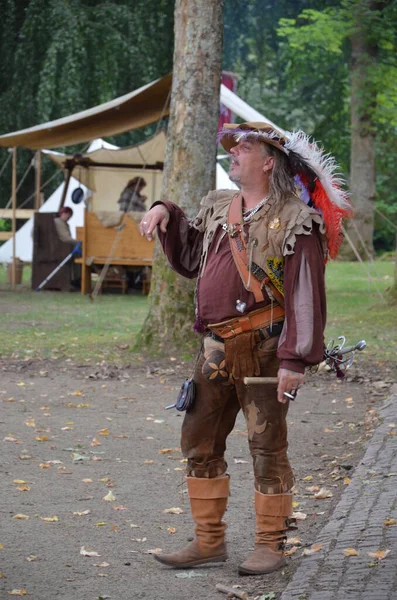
(259,257)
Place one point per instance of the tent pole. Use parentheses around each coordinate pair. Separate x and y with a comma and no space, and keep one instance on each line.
(65,188)
(38,180)
(14,221)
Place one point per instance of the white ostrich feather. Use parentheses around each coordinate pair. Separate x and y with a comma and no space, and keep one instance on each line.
(324,165)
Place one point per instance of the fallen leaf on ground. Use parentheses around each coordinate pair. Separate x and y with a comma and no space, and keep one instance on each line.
(21,517)
(134,526)
(11,438)
(31,558)
(44,466)
(103,431)
(41,438)
(100,524)
(291,551)
(119,507)
(166,450)
(171,529)
(312,488)
(102,565)
(295,504)
(78,393)
(85,552)
(346,481)
(30,423)
(21,592)
(308,478)
(25,457)
(350,552)
(87,480)
(315,548)
(1,546)
(95,442)
(23,488)
(379,554)
(81,513)
(110,497)
(296,541)
(299,516)
(239,461)
(153,551)
(175,510)
(19,481)
(389,522)
(323,494)
(53,519)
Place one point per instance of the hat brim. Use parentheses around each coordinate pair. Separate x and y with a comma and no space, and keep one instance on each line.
(271,135)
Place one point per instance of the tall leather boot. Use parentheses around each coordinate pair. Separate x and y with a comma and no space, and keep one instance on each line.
(272,512)
(208,500)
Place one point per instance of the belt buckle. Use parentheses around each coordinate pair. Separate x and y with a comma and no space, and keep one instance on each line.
(230,328)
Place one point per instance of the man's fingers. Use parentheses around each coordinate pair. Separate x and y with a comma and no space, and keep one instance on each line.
(164,223)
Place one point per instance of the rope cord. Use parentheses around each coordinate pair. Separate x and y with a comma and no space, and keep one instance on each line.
(18,188)
(386,218)
(3,168)
(106,266)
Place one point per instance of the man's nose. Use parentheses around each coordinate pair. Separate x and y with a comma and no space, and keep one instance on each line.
(233,150)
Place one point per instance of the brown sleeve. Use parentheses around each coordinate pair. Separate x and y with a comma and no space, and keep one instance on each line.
(182,243)
(302,339)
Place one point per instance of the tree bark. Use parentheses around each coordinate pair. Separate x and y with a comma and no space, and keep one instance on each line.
(190,160)
(363,132)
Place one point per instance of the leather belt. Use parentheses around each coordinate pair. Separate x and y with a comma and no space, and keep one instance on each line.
(257,319)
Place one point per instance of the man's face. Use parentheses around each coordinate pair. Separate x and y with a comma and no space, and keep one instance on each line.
(248,161)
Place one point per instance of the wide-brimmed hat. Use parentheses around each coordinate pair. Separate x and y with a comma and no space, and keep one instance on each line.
(231,134)
(315,171)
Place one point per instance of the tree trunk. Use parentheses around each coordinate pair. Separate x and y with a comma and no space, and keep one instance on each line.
(190,160)
(363,132)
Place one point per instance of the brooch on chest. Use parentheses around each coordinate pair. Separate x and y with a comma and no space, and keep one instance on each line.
(275,223)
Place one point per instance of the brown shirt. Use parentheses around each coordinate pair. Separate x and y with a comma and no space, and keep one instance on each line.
(220,286)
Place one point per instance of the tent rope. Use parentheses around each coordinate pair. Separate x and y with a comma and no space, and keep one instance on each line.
(3,168)
(106,266)
(385,218)
(19,186)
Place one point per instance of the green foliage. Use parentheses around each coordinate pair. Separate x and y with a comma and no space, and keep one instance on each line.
(5,225)
(63,56)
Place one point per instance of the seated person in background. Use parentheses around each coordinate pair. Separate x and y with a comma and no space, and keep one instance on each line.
(62,227)
(131,197)
(64,234)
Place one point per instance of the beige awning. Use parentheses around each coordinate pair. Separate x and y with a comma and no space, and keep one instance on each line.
(110,163)
(136,109)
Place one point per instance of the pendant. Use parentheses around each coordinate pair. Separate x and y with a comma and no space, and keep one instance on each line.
(241,306)
(274,223)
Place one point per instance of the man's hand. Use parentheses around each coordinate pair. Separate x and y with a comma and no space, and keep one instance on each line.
(288,381)
(158,215)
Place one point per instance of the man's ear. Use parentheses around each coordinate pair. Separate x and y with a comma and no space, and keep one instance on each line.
(268,163)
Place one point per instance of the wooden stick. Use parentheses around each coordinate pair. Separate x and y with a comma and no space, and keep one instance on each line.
(37,203)
(227,590)
(260,380)
(65,188)
(14,221)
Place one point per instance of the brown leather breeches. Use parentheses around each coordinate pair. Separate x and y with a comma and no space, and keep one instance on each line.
(207,425)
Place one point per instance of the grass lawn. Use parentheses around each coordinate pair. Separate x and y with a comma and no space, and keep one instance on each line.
(52,324)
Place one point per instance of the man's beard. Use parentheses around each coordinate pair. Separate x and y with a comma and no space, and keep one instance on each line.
(235,178)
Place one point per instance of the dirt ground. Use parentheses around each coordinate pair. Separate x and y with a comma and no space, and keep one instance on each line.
(90,462)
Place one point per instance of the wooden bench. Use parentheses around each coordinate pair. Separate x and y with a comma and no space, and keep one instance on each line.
(120,245)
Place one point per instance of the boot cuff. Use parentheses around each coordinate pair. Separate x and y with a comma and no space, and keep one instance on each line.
(204,488)
(273,505)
